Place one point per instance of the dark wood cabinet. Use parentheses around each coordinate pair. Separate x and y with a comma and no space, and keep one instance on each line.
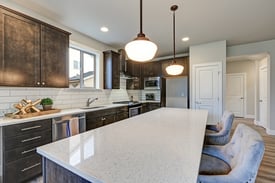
(111,69)
(96,119)
(151,69)
(32,53)
(54,57)
(19,149)
(181,61)
(19,50)
(121,113)
(134,70)
(149,106)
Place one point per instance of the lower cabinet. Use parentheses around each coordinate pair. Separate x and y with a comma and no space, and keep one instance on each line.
(20,160)
(103,117)
(149,106)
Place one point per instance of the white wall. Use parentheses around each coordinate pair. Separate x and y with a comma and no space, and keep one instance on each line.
(206,53)
(255,48)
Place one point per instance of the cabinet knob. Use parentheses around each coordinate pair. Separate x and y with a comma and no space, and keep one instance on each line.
(38,83)
(103,119)
(43,83)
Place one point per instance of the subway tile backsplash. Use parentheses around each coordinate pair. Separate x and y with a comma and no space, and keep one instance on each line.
(63,98)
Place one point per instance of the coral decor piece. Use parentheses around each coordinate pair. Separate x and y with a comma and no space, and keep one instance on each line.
(26,106)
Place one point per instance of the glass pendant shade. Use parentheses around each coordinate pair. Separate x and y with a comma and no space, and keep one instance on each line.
(174,69)
(141,50)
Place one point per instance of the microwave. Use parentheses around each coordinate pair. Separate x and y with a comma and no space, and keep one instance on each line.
(152,83)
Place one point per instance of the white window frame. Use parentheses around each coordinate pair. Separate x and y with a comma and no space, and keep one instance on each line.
(87,50)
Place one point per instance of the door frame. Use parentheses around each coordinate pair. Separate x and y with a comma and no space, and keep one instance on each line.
(244,90)
(260,123)
(193,87)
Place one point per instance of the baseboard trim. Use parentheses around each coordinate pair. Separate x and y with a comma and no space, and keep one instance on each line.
(270,132)
(256,122)
(249,116)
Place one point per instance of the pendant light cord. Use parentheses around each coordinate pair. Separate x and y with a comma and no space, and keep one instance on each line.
(174,8)
(140,14)
(174,32)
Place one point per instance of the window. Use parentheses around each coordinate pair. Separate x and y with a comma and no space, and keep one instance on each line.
(81,68)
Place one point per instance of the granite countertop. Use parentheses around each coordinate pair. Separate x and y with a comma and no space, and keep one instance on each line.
(10,121)
(4,121)
(160,146)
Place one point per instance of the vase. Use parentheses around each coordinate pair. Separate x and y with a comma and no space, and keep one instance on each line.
(47,107)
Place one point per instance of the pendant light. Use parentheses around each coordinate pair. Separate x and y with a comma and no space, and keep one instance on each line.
(141,48)
(174,69)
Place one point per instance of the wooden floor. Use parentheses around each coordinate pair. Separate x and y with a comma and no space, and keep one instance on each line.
(266,172)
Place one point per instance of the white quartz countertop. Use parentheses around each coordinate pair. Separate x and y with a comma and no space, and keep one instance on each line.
(10,121)
(160,146)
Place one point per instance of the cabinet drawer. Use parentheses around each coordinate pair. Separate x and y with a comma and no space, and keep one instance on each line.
(122,115)
(22,152)
(94,123)
(99,113)
(26,140)
(28,127)
(23,169)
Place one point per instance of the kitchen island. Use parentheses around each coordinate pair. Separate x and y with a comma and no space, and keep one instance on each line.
(163,145)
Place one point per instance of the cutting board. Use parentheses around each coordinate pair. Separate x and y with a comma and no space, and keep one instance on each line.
(29,115)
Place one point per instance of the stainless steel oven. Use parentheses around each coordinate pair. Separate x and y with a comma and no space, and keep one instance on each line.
(152,83)
(134,107)
(134,110)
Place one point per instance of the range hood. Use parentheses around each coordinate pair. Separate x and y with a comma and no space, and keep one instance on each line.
(123,65)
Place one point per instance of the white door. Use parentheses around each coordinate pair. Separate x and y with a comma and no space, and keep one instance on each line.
(235,93)
(263,96)
(207,90)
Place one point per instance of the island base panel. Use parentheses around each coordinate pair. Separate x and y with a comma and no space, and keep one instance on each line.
(53,172)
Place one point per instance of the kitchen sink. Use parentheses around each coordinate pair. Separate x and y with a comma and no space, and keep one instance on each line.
(92,107)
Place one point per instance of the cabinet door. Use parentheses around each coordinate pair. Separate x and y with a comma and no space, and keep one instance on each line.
(19,50)
(181,61)
(134,69)
(151,69)
(54,57)
(111,70)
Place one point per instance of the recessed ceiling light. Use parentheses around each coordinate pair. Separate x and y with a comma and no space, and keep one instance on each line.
(104,29)
(185,39)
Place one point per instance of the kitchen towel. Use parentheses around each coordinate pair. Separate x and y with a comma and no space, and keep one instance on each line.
(73,125)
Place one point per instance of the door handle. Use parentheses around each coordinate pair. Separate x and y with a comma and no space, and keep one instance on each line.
(241,98)
(260,100)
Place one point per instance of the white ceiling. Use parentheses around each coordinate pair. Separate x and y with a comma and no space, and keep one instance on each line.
(237,21)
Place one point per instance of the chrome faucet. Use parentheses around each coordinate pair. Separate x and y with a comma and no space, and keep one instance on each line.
(89,101)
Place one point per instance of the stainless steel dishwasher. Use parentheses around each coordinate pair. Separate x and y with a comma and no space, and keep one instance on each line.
(68,125)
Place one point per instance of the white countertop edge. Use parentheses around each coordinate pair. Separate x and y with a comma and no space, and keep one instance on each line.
(68,167)
(10,121)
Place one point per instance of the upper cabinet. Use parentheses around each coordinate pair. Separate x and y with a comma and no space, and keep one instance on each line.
(32,53)
(111,69)
(181,61)
(134,70)
(151,69)
(54,57)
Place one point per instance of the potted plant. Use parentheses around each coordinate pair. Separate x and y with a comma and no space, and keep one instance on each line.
(46,103)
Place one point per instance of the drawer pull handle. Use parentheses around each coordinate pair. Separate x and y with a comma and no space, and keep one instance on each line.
(30,139)
(24,152)
(30,167)
(31,128)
